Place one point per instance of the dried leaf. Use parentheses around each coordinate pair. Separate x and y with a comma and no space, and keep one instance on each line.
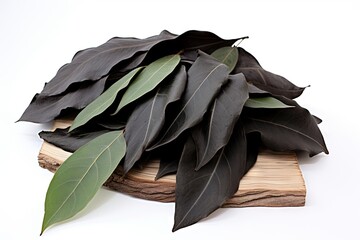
(148,118)
(169,156)
(44,109)
(188,41)
(94,63)
(205,78)
(257,92)
(70,141)
(253,145)
(216,129)
(199,193)
(286,129)
(167,166)
(317,119)
(255,74)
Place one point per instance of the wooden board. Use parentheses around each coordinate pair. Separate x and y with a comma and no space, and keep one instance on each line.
(274,181)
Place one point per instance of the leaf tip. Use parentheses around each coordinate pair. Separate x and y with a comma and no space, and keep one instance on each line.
(179,225)
(121,105)
(326,151)
(43,228)
(72,127)
(175,228)
(237,43)
(198,166)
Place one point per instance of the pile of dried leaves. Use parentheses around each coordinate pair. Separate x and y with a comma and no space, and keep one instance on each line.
(196,102)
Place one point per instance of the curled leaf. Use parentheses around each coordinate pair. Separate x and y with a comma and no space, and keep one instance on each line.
(188,42)
(70,141)
(94,63)
(255,74)
(44,109)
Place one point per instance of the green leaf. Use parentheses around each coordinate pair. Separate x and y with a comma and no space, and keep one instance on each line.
(148,79)
(104,101)
(81,175)
(265,102)
(227,55)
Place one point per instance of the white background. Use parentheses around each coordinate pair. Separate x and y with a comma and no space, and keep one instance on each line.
(308,42)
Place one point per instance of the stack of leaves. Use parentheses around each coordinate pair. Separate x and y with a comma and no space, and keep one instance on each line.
(195,101)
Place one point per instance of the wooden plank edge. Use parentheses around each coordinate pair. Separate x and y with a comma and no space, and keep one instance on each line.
(164,190)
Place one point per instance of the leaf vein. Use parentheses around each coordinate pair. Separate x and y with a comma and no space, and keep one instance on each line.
(288,128)
(191,97)
(203,190)
(80,180)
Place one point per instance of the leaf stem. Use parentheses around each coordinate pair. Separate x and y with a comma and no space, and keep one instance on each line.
(238,42)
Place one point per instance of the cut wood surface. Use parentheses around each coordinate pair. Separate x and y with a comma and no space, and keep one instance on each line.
(274,181)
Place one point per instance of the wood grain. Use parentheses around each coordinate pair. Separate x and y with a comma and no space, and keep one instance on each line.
(274,181)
